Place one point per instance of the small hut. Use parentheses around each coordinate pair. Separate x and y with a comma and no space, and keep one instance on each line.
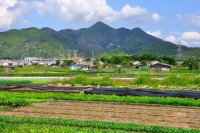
(160,67)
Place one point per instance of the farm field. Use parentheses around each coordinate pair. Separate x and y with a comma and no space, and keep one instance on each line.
(111,112)
(58,112)
(178,78)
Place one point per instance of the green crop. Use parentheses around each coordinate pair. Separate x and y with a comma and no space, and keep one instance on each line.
(14,101)
(9,98)
(89,126)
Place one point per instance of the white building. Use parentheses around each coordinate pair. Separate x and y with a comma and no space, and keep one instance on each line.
(38,60)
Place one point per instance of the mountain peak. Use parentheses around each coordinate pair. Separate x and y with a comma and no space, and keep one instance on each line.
(100,25)
(137,29)
(47,29)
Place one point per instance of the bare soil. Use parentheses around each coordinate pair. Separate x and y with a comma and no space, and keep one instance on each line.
(185,117)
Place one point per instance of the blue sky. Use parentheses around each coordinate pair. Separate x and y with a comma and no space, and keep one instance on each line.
(169,20)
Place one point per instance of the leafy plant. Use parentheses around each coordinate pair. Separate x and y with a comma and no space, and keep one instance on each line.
(12,123)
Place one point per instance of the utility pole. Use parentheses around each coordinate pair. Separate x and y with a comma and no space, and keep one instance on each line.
(69,54)
(92,57)
(75,53)
(179,55)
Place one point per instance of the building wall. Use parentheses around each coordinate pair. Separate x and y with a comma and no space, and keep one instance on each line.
(160,68)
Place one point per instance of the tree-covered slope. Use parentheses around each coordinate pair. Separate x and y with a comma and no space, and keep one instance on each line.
(100,37)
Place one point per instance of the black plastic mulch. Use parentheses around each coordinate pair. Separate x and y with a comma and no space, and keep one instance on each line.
(144,92)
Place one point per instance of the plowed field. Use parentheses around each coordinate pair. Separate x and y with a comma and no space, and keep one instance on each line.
(187,117)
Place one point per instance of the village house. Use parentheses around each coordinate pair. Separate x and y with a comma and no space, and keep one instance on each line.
(160,67)
(39,60)
(137,64)
(8,64)
(77,59)
(149,63)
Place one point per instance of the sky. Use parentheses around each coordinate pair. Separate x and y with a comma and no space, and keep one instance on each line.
(177,21)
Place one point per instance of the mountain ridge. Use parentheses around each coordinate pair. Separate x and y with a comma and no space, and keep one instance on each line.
(99,38)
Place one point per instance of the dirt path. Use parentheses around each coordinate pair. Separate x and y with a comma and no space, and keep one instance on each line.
(186,117)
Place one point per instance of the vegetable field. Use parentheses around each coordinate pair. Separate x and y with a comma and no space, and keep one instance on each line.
(17,98)
(35,125)
(58,112)
(105,112)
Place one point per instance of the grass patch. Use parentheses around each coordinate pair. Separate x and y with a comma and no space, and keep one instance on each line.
(14,82)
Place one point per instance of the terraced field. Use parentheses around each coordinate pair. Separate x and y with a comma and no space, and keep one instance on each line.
(184,117)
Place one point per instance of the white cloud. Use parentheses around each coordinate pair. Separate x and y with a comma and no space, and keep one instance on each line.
(175,40)
(171,38)
(190,39)
(193,19)
(94,10)
(128,11)
(10,11)
(155,33)
(156,17)
(74,11)
(192,35)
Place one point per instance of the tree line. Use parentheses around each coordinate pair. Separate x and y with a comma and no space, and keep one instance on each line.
(125,60)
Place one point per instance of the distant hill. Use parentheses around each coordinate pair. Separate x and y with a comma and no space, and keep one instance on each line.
(98,38)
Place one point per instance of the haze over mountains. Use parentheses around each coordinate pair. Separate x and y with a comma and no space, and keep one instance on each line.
(98,38)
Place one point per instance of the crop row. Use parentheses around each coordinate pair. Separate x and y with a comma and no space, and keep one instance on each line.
(34,128)
(14,101)
(94,124)
(36,97)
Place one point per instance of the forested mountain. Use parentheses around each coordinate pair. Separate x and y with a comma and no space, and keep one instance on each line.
(98,38)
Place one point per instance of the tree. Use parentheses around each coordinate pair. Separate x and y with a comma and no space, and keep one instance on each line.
(68,62)
(144,62)
(119,71)
(192,63)
(1,68)
(148,57)
(88,59)
(57,62)
(96,63)
(168,60)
